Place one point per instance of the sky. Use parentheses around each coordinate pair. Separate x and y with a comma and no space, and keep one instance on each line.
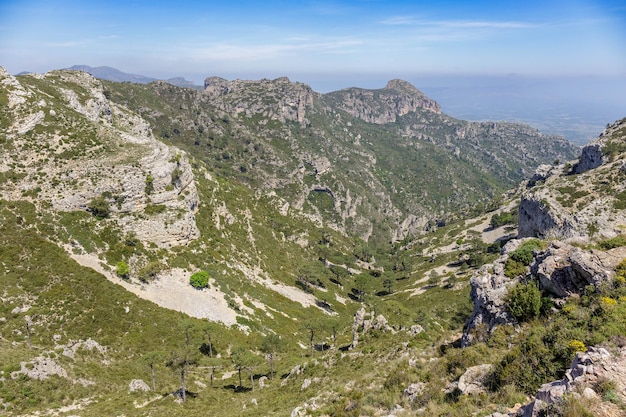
(327,44)
(316,39)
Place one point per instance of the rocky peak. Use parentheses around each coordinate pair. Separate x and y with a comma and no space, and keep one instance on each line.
(385,105)
(402,87)
(279,99)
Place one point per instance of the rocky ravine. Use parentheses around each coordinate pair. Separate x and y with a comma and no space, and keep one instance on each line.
(67,144)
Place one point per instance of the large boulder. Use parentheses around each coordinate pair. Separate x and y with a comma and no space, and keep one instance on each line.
(474,380)
(138,385)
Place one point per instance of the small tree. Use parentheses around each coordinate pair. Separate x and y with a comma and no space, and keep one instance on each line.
(99,207)
(271,345)
(362,286)
(312,327)
(244,359)
(184,357)
(388,284)
(151,359)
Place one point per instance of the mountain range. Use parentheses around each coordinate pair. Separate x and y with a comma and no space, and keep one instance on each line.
(113,74)
(357,252)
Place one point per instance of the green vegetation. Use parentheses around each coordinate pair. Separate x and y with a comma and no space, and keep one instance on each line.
(199,279)
(504,218)
(99,207)
(613,242)
(122,269)
(292,280)
(520,258)
(524,301)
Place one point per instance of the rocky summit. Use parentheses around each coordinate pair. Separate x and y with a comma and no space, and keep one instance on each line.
(258,248)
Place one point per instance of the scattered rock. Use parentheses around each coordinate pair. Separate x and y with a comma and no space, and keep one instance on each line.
(474,379)
(413,391)
(40,368)
(415,329)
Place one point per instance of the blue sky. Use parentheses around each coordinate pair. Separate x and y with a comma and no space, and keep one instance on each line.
(313,41)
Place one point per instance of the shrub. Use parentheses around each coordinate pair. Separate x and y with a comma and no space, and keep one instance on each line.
(199,280)
(149,272)
(122,269)
(501,219)
(149,189)
(520,258)
(524,301)
(613,242)
(576,346)
(524,253)
(152,209)
(99,207)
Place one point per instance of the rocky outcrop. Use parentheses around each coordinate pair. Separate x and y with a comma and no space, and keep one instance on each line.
(564,270)
(588,368)
(489,287)
(383,106)
(278,99)
(580,202)
(362,324)
(474,379)
(109,153)
(591,158)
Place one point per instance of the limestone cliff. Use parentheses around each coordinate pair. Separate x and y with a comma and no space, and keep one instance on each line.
(385,105)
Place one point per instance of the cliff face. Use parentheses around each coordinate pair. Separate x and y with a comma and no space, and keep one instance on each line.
(583,200)
(397,99)
(66,144)
(278,99)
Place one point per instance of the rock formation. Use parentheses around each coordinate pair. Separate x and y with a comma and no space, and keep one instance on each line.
(578,201)
(562,270)
(588,369)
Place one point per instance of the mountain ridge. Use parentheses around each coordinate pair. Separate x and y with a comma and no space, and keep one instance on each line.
(114,74)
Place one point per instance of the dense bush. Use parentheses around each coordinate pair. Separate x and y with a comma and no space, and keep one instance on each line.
(524,301)
(199,280)
(500,219)
(520,258)
(122,269)
(149,272)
